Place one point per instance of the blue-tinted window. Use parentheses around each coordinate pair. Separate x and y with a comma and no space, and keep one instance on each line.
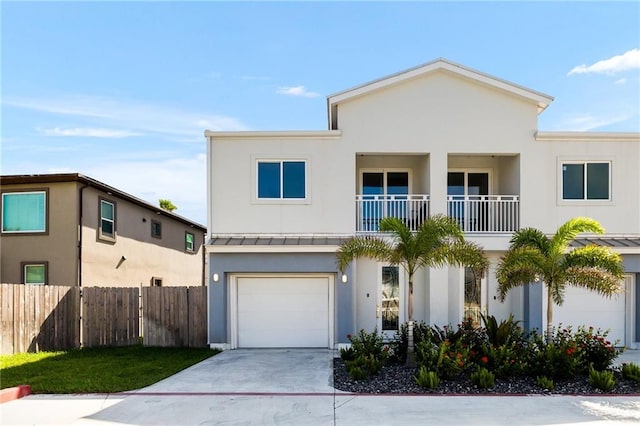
(293,179)
(282,179)
(585,181)
(107,218)
(24,212)
(268,180)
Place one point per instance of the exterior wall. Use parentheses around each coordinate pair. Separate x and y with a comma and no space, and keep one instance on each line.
(225,264)
(146,256)
(232,187)
(57,247)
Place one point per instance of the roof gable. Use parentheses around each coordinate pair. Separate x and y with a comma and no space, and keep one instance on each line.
(540,99)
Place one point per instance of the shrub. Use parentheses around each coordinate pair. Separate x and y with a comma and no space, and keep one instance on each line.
(595,348)
(483,378)
(446,359)
(421,332)
(602,380)
(631,371)
(369,364)
(427,379)
(501,334)
(347,354)
(356,373)
(369,344)
(505,361)
(559,359)
(545,383)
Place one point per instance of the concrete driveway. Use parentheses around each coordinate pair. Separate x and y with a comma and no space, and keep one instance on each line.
(293,387)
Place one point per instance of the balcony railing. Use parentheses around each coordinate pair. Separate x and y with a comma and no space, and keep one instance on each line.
(474,213)
(412,209)
(485,213)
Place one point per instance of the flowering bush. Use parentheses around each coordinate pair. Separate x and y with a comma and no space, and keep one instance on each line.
(595,348)
(447,360)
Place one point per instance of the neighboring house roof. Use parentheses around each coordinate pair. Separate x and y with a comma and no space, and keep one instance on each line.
(542,100)
(86,180)
(588,136)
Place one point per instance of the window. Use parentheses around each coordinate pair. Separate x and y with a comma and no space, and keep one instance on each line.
(586,181)
(107,219)
(156,229)
(189,241)
(282,180)
(156,282)
(34,273)
(24,212)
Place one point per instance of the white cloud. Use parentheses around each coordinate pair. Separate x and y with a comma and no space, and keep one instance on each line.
(620,81)
(627,61)
(297,91)
(89,132)
(138,117)
(588,121)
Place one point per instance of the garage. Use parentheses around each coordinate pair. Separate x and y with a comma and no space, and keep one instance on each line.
(283,311)
(584,307)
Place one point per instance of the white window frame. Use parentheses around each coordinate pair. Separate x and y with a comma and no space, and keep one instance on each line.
(585,200)
(193,243)
(46,211)
(275,159)
(108,237)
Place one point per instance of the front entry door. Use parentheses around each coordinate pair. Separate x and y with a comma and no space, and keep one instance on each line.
(474,303)
(390,310)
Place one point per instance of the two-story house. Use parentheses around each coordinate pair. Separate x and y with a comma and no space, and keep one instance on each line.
(70,229)
(438,138)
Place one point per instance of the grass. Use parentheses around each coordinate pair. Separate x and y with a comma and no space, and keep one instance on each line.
(106,369)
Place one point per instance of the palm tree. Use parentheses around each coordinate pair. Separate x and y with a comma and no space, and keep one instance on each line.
(437,242)
(534,257)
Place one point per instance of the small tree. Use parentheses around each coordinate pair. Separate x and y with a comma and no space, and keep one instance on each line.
(167,205)
(534,257)
(438,242)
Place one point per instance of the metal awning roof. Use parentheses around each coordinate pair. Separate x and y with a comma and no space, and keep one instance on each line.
(279,241)
(613,242)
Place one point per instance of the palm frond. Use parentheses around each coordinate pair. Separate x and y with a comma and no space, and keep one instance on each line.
(437,231)
(530,237)
(595,279)
(596,257)
(461,253)
(569,230)
(368,246)
(517,267)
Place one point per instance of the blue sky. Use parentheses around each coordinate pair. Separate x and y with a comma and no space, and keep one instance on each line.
(122,91)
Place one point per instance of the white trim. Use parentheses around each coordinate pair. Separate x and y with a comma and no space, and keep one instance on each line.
(29,231)
(630,314)
(466,171)
(542,100)
(294,134)
(587,136)
(271,249)
(562,160)
(233,302)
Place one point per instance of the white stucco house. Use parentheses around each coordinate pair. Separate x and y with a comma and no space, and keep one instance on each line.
(437,138)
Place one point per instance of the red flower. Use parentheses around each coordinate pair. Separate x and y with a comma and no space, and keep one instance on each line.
(349,336)
(484,359)
(570,351)
(460,363)
(386,349)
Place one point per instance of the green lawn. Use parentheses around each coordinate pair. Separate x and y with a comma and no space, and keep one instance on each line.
(96,369)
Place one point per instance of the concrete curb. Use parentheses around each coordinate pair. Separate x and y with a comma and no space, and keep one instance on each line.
(10,394)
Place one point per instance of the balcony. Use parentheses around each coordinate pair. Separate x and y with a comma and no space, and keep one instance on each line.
(485,213)
(412,209)
(474,213)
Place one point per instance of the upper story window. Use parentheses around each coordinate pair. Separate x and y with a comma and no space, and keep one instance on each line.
(586,180)
(34,273)
(24,212)
(156,229)
(107,219)
(281,179)
(189,241)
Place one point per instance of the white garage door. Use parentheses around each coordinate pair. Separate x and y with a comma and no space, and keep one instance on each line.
(583,307)
(283,312)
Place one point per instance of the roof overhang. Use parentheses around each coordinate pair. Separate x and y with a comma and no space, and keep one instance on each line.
(619,244)
(540,99)
(588,136)
(275,244)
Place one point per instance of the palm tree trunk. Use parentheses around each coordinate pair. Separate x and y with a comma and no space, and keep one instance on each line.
(411,360)
(549,333)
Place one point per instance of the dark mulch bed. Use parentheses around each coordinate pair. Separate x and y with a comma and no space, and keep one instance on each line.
(398,379)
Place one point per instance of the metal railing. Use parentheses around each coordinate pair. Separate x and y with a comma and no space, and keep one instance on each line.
(412,209)
(485,213)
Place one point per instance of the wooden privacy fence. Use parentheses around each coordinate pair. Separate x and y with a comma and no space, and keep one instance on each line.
(37,318)
(174,316)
